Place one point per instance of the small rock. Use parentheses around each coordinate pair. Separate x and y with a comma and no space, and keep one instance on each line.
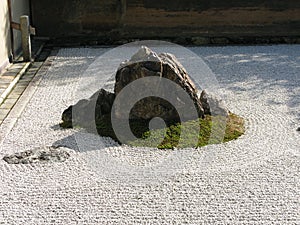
(38,155)
(101,102)
(212,105)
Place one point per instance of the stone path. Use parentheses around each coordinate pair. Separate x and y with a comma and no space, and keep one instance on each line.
(13,82)
(252,180)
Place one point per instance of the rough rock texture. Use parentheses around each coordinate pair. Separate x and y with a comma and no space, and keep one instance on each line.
(147,63)
(101,102)
(144,63)
(38,155)
(212,105)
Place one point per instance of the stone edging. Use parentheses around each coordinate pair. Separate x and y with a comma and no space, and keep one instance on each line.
(22,101)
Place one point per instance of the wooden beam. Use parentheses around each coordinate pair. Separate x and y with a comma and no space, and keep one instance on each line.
(15,26)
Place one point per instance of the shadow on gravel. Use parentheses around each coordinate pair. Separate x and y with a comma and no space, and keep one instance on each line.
(81,142)
(264,68)
(68,142)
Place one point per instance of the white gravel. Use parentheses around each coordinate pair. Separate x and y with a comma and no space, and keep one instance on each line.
(252,180)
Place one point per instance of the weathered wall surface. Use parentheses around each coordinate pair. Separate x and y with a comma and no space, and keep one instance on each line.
(73,17)
(117,19)
(19,7)
(4,35)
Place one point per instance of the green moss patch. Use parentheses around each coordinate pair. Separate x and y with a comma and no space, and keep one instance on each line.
(195,133)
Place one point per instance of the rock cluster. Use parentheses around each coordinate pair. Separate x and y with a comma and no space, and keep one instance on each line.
(145,63)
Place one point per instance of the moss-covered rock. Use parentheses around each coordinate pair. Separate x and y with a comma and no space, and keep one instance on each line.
(212,128)
(214,123)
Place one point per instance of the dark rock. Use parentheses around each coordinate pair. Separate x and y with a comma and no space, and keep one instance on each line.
(298,129)
(80,114)
(38,155)
(146,63)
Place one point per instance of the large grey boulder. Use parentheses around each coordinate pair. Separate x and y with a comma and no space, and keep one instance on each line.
(102,106)
(146,63)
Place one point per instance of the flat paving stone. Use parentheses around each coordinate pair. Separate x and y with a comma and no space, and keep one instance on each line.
(17,66)
(3,87)
(3,113)
(8,104)
(28,76)
(10,100)
(14,95)
(36,65)
(14,69)
(8,74)
(26,79)
(8,78)
(4,82)
(18,90)
(23,81)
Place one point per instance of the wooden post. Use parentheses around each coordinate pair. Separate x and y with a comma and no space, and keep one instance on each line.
(26,42)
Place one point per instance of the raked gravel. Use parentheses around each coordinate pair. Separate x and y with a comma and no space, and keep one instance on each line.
(252,180)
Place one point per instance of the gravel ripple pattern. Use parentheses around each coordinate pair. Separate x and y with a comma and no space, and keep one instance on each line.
(252,180)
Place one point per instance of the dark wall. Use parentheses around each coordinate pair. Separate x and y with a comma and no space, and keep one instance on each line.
(121,19)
